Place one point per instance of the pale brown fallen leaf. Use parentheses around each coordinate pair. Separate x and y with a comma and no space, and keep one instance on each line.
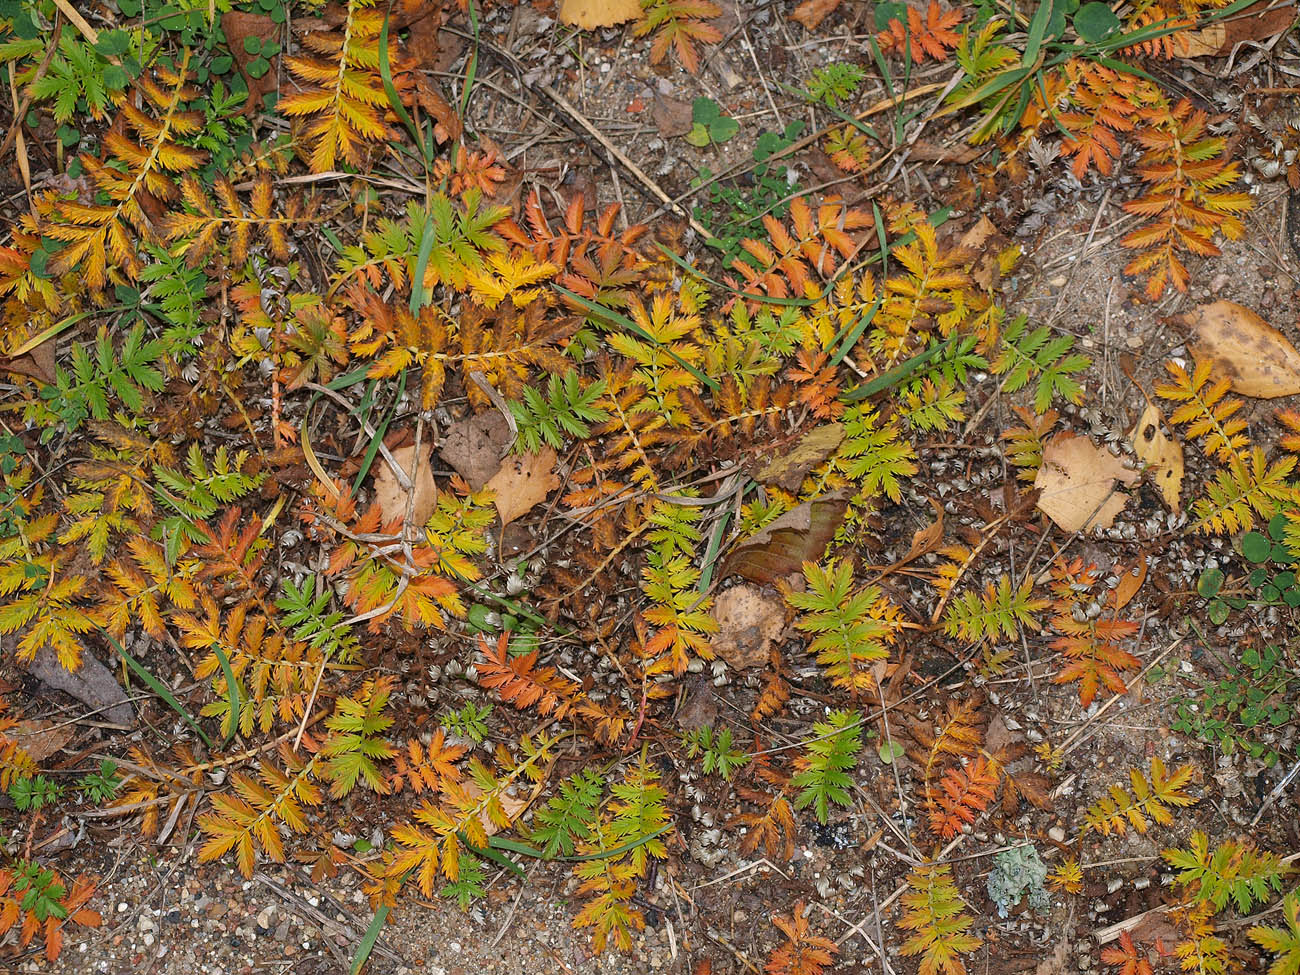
(748,621)
(811,13)
(590,14)
(40,738)
(788,469)
(474,446)
(672,116)
(523,482)
(1255,23)
(1054,964)
(390,494)
(1078,483)
(1162,454)
(1259,359)
(238,27)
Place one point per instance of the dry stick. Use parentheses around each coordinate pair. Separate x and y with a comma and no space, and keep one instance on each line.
(79,22)
(21,111)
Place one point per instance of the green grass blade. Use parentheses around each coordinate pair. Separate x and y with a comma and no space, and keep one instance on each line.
(232,690)
(898,374)
(158,687)
(386,75)
(367,944)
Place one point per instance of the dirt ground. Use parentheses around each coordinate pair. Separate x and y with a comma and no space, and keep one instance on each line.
(164,913)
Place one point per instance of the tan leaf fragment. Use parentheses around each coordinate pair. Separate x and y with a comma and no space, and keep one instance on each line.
(787,470)
(811,13)
(590,14)
(1078,483)
(1162,454)
(748,621)
(40,738)
(1259,359)
(392,497)
(523,482)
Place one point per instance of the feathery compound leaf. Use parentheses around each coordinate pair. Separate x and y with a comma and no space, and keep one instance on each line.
(1024,356)
(802,953)
(935,914)
(1233,871)
(823,777)
(569,814)
(98,237)
(1149,797)
(1283,942)
(853,630)
(963,793)
(565,411)
(1206,410)
(1248,488)
(250,817)
(356,740)
(344,100)
(998,611)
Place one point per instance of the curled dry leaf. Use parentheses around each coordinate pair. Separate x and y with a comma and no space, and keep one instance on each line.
(390,494)
(523,482)
(590,14)
(1130,582)
(1259,359)
(1079,483)
(782,547)
(748,621)
(1162,454)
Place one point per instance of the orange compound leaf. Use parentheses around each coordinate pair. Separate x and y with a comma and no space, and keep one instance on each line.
(1127,957)
(803,952)
(963,794)
(678,25)
(519,681)
(931,39)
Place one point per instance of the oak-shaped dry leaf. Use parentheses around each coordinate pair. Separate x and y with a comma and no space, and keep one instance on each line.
(1256,357)
(1162,454)
(523,482)
(1215,40)
(748,621)
(590,14)
(787,470)
(811,13)
(1078,483)
(392,497)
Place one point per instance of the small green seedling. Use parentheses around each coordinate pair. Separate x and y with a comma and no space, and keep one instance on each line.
(709,126)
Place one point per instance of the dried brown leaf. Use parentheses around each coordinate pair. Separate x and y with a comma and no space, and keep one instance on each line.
(1256,357)
(1078,481)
